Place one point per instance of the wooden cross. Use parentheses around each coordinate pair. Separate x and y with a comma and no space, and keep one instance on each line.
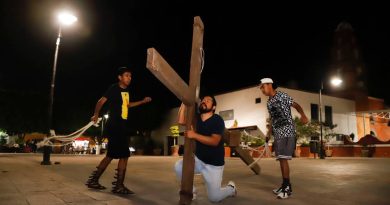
(187,94)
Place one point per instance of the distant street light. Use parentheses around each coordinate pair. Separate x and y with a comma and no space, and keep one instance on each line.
(335,81)
(64,18)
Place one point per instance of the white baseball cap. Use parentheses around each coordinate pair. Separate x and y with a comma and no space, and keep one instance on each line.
(265,81)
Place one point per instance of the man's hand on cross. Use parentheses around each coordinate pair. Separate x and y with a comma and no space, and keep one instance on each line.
(190,134)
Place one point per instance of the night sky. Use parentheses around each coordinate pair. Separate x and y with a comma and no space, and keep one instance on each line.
(243,42)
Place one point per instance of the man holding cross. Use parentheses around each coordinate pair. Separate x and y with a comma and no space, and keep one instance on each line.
(209,153)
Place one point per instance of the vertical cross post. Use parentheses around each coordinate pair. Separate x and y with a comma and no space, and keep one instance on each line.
(187,94)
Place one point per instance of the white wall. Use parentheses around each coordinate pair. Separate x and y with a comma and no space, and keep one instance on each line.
(248,113)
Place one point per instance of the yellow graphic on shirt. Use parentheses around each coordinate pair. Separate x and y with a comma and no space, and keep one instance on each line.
(125,104)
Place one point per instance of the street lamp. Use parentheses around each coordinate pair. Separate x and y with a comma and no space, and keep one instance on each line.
(66,19)
(335,81)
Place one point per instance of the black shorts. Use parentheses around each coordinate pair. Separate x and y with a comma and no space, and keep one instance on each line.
(118,139)
(284,148)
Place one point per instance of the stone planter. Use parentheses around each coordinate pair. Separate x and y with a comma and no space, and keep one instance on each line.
(98,148)
(175,150)
(328,152)
(297,153)
(227,151)
(305,151)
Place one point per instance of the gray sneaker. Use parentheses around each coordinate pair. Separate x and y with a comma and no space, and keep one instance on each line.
(194,195)
(233,185)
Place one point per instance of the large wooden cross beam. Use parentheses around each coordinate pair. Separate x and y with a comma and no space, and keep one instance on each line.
(188,94)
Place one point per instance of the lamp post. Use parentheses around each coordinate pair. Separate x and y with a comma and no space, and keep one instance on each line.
(99,142)
(64,19)
(322,156)
(335,81)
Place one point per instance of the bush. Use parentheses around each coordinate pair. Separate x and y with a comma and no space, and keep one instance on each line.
(257,142)
(2,140)
(3,135)
(305,144)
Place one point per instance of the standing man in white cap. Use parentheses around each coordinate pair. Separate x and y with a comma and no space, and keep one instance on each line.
(279,107)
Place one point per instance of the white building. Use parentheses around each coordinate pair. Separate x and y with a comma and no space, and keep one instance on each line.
(248,107)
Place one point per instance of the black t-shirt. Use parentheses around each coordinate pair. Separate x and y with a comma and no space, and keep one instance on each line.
(213,155)
(118,100)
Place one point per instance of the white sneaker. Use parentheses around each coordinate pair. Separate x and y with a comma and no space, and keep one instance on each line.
(194,195)
(277,191)
(284,193)
(232,184)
